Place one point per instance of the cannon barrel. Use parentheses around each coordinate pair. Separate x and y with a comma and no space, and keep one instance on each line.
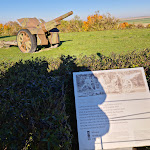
(64,16)
(46,26)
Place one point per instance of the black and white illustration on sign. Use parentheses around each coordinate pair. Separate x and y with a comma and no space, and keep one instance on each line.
(112,108)
(130,81)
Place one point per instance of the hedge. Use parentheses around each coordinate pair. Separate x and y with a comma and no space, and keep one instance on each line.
(37,108)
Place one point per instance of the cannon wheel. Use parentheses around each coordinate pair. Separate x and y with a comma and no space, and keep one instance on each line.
(26,41)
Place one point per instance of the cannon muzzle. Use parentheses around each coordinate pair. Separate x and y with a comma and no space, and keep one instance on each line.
(63,16)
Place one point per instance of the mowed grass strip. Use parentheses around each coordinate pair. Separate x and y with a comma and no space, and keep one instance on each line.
(86,43)
(136,21)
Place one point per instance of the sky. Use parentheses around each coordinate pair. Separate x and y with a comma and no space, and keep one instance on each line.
(11,10)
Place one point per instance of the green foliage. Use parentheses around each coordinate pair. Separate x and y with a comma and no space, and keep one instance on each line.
(93,23)
(140,26)
(32,108)
(37,96)
(131,26)
(10,28)
(97,22)
(148,26)
(74,25)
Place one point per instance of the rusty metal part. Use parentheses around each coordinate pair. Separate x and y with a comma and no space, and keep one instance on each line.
(29,22)
(49,25)
(63,16)
(41,39)
(54,23)
(38,32)
(26,41)
(42,20)
(54,38)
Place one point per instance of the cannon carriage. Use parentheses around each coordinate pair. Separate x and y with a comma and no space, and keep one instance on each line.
(38,32)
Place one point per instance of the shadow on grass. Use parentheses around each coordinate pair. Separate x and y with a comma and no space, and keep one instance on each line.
(40,47)
(61,42)
(2,37)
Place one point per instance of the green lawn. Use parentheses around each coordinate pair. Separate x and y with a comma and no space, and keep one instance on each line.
(104,42)
(136,21)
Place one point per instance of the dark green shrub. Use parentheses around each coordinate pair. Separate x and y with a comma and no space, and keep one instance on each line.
(32,108)
(37,96)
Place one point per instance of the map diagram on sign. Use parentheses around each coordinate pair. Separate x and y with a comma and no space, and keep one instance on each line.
(97,83)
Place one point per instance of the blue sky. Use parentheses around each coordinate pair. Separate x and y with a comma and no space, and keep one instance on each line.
(11,10)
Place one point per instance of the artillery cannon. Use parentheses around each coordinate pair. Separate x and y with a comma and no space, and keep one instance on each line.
(37,32)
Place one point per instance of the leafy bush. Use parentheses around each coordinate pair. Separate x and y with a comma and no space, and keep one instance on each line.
(148,26)
(99,22)
(32,108)
(94,22)
(124,25)
(131,26)
(10,28)
(1,28)
(140,26)
(74,25)
(36,92)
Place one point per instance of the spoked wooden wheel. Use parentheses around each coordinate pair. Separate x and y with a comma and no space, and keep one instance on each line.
(26,41)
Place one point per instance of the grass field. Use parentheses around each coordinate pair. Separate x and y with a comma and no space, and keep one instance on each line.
(143,21)
(86,43)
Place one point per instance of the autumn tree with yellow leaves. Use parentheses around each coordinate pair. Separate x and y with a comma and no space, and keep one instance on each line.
(10,28)
(1,28)
(99,22)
